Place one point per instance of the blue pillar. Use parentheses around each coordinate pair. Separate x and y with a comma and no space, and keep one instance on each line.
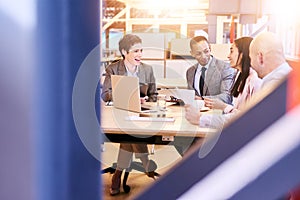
(67,31)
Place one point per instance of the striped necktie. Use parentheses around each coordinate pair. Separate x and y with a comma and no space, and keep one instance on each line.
(201,82)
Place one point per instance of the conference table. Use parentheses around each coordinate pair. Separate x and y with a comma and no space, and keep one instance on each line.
(123,126)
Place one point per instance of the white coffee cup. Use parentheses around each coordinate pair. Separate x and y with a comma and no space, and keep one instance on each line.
(198,104)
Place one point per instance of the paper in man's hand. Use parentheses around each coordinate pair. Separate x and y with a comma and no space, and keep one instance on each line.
(187,96)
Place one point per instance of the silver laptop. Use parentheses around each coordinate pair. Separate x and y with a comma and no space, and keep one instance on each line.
(126,93)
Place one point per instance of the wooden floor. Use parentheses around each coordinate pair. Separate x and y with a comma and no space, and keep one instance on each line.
(164,156)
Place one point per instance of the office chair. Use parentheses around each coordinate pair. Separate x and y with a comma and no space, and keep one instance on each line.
(134,165)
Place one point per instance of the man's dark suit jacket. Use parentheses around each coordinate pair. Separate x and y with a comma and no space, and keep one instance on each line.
(218,80)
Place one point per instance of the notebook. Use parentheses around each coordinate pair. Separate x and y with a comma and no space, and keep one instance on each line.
(126,93)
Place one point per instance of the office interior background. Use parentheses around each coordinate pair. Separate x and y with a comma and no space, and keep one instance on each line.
(43,45)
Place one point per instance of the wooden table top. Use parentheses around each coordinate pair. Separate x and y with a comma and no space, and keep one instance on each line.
(115,121)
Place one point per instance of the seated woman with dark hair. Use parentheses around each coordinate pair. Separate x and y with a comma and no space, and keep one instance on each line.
(246,82)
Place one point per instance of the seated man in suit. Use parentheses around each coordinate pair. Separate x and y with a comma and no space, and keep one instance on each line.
(210,76)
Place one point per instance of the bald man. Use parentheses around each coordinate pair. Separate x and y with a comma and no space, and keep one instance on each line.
(267,59)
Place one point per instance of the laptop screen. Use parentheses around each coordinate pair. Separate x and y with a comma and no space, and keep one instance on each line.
(126,93)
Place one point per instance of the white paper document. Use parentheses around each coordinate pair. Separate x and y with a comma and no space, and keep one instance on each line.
(188,96)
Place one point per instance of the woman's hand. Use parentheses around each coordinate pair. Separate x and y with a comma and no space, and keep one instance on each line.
(214,103)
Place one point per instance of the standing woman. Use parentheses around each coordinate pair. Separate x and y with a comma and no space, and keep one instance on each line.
(246,82)
(130,47)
